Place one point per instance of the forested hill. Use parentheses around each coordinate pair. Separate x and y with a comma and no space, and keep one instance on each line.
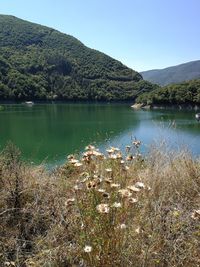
(38,63)
(186,93)
(176,74)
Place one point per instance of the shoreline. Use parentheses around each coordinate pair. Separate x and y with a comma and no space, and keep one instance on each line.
(64,102)
(177,106)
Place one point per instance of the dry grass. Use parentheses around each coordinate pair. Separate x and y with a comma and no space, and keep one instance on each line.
(101,211)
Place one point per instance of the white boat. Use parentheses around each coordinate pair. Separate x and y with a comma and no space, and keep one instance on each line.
(29,103)
(197,116)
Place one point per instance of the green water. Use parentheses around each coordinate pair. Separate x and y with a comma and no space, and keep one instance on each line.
(49,132)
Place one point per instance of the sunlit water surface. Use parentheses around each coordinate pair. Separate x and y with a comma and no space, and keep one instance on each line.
(49,132)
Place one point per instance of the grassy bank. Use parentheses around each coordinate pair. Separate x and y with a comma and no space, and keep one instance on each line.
(101,210)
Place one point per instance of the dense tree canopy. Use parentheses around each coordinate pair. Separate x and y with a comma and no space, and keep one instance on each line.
(40,63)
(182,93)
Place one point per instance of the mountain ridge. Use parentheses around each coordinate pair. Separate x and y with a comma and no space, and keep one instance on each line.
(173,74)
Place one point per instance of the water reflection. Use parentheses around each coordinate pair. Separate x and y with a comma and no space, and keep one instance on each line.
(52,131)
(56,130)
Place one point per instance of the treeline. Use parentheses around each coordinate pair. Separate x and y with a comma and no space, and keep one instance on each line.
(182,93)
(40,63)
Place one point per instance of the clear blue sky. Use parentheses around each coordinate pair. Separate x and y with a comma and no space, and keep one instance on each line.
(142,34)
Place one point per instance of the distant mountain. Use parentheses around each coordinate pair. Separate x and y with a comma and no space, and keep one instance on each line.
(38,63)
(180,73)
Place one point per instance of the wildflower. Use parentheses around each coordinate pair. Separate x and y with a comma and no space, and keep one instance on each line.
(30,263)
(70,157)
(123,226)
(85,180)
(115,185)
(97,180)
(92,153)
(132,200)
(91,184)
(86,159)
(113,156)
(101,190)
(87,249)
(119,155)
(109,170)
(117,205)
(77,187)
(196,214)
(90,147)
(106,195)
(108,180)
(73,161)
(84,174)
(133,188)
(125,193)
(126,168)
(136,143)
(9,263)
(69,201)
(122,161)
(116,149)
(86,154)
(139,155)
(78,164)
(137,230)
(103,208)
(130,157)
(98,154)
(82,225)
(139,185)
(110,151)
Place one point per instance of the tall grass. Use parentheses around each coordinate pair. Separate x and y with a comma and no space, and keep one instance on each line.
(101,210)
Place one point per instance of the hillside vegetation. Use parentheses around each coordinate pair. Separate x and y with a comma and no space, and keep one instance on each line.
(176,74)
(174,94)
(38,62)
(99,210)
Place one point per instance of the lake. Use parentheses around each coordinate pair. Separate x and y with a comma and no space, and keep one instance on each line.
(49,132)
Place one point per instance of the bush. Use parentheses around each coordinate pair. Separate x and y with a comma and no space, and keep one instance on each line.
(114,210)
